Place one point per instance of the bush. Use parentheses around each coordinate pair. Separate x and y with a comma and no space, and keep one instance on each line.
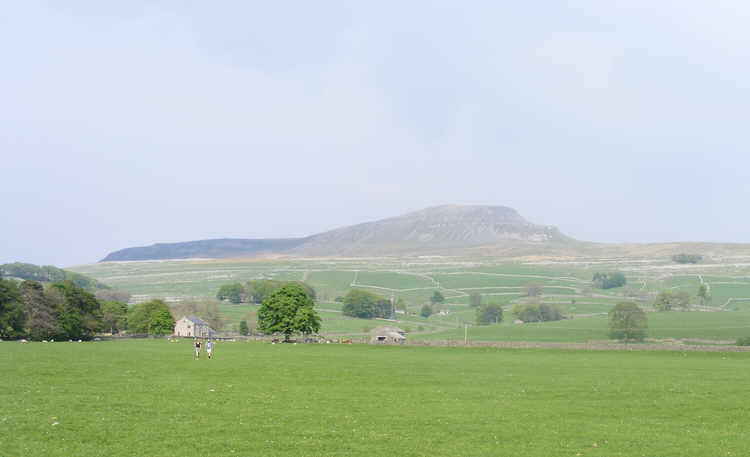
(743,341)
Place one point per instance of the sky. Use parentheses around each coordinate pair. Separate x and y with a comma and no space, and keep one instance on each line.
(129,123)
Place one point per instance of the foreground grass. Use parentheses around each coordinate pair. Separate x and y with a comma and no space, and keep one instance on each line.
(150,398)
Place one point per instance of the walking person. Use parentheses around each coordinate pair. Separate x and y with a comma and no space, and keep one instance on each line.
(209,348)
(197,349)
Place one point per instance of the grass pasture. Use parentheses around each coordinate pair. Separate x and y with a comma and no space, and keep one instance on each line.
(150,398)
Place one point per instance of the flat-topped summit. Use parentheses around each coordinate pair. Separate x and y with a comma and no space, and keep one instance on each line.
(435,230)
(431,229)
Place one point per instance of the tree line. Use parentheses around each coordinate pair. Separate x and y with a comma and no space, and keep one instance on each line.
(65,311)
(256,291)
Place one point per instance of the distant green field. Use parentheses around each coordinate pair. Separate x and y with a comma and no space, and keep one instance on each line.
(566,284)
(150,398)
(680,325)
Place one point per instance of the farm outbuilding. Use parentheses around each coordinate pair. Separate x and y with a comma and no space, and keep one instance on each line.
(387,335)
(193,326)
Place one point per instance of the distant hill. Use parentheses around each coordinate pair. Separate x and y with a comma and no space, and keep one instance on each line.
(48,273)
(438,230)
(219,248)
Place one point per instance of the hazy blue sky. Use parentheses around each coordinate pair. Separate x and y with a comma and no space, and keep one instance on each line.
(129,123)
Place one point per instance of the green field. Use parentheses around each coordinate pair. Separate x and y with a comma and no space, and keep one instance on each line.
(150,398)
(566,284)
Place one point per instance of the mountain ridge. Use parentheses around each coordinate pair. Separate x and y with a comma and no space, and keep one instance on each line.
(426,231)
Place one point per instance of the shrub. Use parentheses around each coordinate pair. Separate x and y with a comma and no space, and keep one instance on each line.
(744,341)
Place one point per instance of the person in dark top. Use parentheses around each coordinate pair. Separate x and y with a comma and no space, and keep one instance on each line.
(197,349)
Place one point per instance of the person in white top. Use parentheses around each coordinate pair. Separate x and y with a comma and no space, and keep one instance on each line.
(209,348)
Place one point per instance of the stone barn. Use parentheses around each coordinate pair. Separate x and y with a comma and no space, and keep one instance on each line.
(387,335)
(193,326)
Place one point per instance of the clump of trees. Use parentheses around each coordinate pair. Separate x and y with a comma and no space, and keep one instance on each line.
(743,341)
(366,305)
(667,300)
(49,273)
(627,322)
(256,291)
(288,311)
(608,280)
(687,258)
(489,313)
(537,312)
(63,310)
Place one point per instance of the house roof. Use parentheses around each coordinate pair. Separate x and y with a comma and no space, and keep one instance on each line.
(196,320)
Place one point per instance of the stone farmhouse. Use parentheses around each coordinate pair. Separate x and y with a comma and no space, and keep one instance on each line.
(193,326)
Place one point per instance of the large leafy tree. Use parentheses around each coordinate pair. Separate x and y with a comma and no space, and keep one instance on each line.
(160,322)
(627,322)
(288,311)
(12,310)
(140,316)
(114,315)
(80,312)
(437,298)
(41,310)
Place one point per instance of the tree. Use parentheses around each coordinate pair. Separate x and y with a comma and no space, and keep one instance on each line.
(426,311)
(234,292)
(244,330)
(475,299)
(627,322)
(288,310)
(147,316)
(489,313)
(365,305)
(160,322)
(114,316)
(12,310)
(400,304)
(703,293)
(80,312)
(532,289)
(41,311)
(437,298)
